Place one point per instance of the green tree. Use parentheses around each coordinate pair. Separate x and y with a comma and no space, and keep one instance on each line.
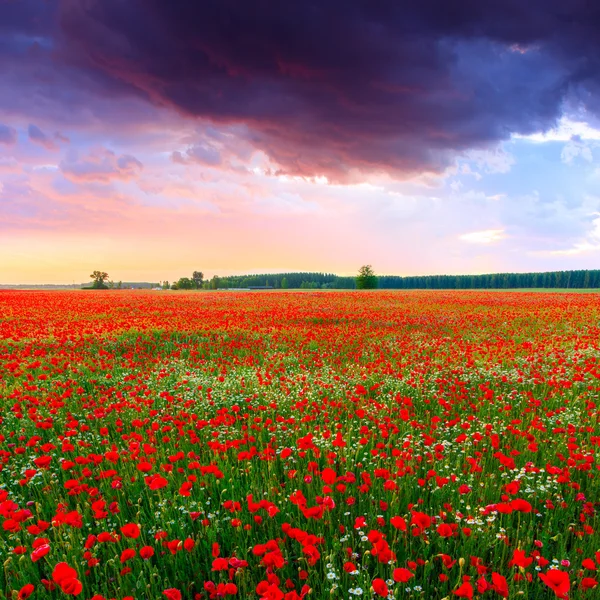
(284,283)
(98,279)
(366,278)
(198,279)
(185,283)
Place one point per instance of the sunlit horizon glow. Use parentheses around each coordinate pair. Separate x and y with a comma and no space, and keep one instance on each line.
(418,154)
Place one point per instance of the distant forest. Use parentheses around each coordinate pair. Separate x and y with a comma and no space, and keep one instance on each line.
(323,281)
(551,279)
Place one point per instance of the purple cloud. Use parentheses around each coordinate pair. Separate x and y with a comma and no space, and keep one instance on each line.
(8,135)
(39,137)
(203,154)
(328,87)
(323,88)
(100,165)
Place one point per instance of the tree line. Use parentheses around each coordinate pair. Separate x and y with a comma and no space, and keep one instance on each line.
(550,279)
(366,279)
(276,281)
(311,280)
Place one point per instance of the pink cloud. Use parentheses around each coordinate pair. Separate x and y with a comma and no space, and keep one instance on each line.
(101,165)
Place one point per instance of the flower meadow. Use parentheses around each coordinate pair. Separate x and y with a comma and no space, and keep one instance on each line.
(287,445)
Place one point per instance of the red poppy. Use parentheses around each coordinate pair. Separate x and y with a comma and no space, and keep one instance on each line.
(380,587)
(588,583)
(131,530)
(399,523)
(402,575)
(39,552)
(588,563)
(328,476)
(26,591)
(444,530)
(557,581)
(188,544)
(127,554)
(521,505)
(464,591)
(147,552)
(66,577)
(220,564)
(500,585)
(420,520)
(520,559)
(312,553)
(156,482)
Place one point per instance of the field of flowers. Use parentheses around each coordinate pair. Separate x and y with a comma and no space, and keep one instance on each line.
(294,445)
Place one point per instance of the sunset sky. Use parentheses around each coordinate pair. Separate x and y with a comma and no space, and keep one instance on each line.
(152,138)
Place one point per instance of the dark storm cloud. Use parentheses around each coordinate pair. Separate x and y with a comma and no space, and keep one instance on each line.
(42,80)
(326,86)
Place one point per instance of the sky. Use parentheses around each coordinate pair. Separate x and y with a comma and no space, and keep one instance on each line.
(152,138)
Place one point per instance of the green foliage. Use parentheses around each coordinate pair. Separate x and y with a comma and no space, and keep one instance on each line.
(366,278)
(582,279)
(198,279)
(503,281)
(184,283)
(98,279)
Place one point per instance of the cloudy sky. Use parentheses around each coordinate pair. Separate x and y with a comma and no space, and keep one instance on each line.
(151,138)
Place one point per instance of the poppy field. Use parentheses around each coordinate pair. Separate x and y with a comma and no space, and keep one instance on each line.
(288,445)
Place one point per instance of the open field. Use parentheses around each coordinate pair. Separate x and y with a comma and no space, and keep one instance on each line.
(275,445)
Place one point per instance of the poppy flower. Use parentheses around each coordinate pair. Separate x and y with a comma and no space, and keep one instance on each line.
(399,523)
(39,552)
(220,564)
(464,591)
(420,520)
(521,505)
(131,530)
(172,594)
(557,581)
(312,553)
(66,577)
(328,476)
(127,554)
(520,559)
(147,552)
(588,563)
(188,544)
(588,583)
(500,585)
(156,482)
(380,587)
(26,591)
(350,567)
(402,575)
